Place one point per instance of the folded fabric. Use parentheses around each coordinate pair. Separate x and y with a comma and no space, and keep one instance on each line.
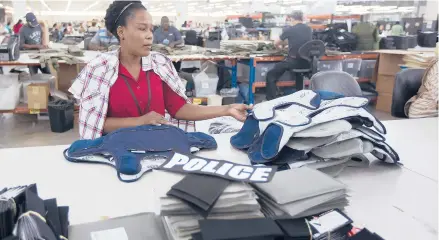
(295,208)
(225,198)
(239,229)
(278,133)
(125,148)
(244,206)
(344,149)
(317,183)
(325,129)
(205,188)
(309,143)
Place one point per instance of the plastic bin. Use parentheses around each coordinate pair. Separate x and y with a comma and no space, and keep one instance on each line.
(61,115)
(367,69)
(205,84)
(401,42)
(333,65)
(229,95)
(9,91)
(352,66)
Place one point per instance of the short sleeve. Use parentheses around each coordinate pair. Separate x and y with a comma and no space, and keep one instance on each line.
(177,34)
(173,101)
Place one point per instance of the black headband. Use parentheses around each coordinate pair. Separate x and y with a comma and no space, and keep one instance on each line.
(121,12)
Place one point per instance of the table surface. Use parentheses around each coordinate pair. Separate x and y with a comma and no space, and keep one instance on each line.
(398,202)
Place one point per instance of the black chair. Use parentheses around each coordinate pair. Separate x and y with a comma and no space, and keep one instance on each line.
(311,51)
(407,84)
(191,38)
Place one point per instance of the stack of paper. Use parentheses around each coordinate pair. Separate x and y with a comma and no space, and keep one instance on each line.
(300,192)
(238,201)
(420,60)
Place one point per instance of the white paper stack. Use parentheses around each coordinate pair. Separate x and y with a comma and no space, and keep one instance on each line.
(238,201)
(301,192)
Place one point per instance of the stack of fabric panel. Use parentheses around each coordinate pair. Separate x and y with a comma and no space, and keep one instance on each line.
(180,217)
(300,192)
(322,130)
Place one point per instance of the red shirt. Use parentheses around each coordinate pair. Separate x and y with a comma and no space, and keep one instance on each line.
(17,28)
(122,105)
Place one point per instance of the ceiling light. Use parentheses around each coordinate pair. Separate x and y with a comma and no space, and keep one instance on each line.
(94,4)
(69,2)
(45,5)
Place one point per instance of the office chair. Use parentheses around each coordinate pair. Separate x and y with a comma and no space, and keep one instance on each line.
(191,38)
(336,81)
(407,84)
(311,51)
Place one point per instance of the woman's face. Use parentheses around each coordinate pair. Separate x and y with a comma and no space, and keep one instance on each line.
(136,36)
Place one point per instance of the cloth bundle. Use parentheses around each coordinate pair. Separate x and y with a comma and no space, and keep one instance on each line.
(247,48)
(52,56)
(27,216)
(313,193)
(137,150)
(323,129)
(236,201)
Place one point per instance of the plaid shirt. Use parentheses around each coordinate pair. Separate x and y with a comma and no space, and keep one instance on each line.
(92,87)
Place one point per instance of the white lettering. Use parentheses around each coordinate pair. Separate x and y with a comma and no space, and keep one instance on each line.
(177,159)
(261,174)
(210,167)
(224,169)
(195,164)
(241,172)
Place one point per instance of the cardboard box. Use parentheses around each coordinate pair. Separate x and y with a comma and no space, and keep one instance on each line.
(38,95)
(385,84)
(384,102)
(389,63)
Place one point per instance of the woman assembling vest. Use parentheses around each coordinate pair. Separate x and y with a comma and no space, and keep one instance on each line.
(133,86)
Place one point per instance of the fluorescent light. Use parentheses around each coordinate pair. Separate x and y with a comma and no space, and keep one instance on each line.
(73,13)
(93,5)
(69,2)
(45,5)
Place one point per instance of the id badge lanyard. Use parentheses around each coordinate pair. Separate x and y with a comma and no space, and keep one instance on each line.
(141,113)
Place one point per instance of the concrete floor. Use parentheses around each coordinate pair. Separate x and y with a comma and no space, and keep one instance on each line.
(27,131)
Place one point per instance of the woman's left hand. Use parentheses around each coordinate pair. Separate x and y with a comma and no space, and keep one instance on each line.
(238,111)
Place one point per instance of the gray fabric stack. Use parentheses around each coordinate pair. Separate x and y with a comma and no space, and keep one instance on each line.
(333,146)
(238,201)
(300,192)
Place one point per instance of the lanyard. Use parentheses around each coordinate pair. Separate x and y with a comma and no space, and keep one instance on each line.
(141,113)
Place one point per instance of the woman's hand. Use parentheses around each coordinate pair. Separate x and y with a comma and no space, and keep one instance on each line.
(152,118)
(238,111)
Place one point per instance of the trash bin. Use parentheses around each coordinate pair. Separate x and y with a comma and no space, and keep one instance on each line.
(61,115)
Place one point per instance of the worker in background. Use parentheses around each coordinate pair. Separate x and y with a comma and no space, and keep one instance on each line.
(167,35)
(367,36)
(102,40)
(397,30)
(8,28)
(18,26)
(56,34)
(377,36)
(32,38)
(295,36)
(94,28)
